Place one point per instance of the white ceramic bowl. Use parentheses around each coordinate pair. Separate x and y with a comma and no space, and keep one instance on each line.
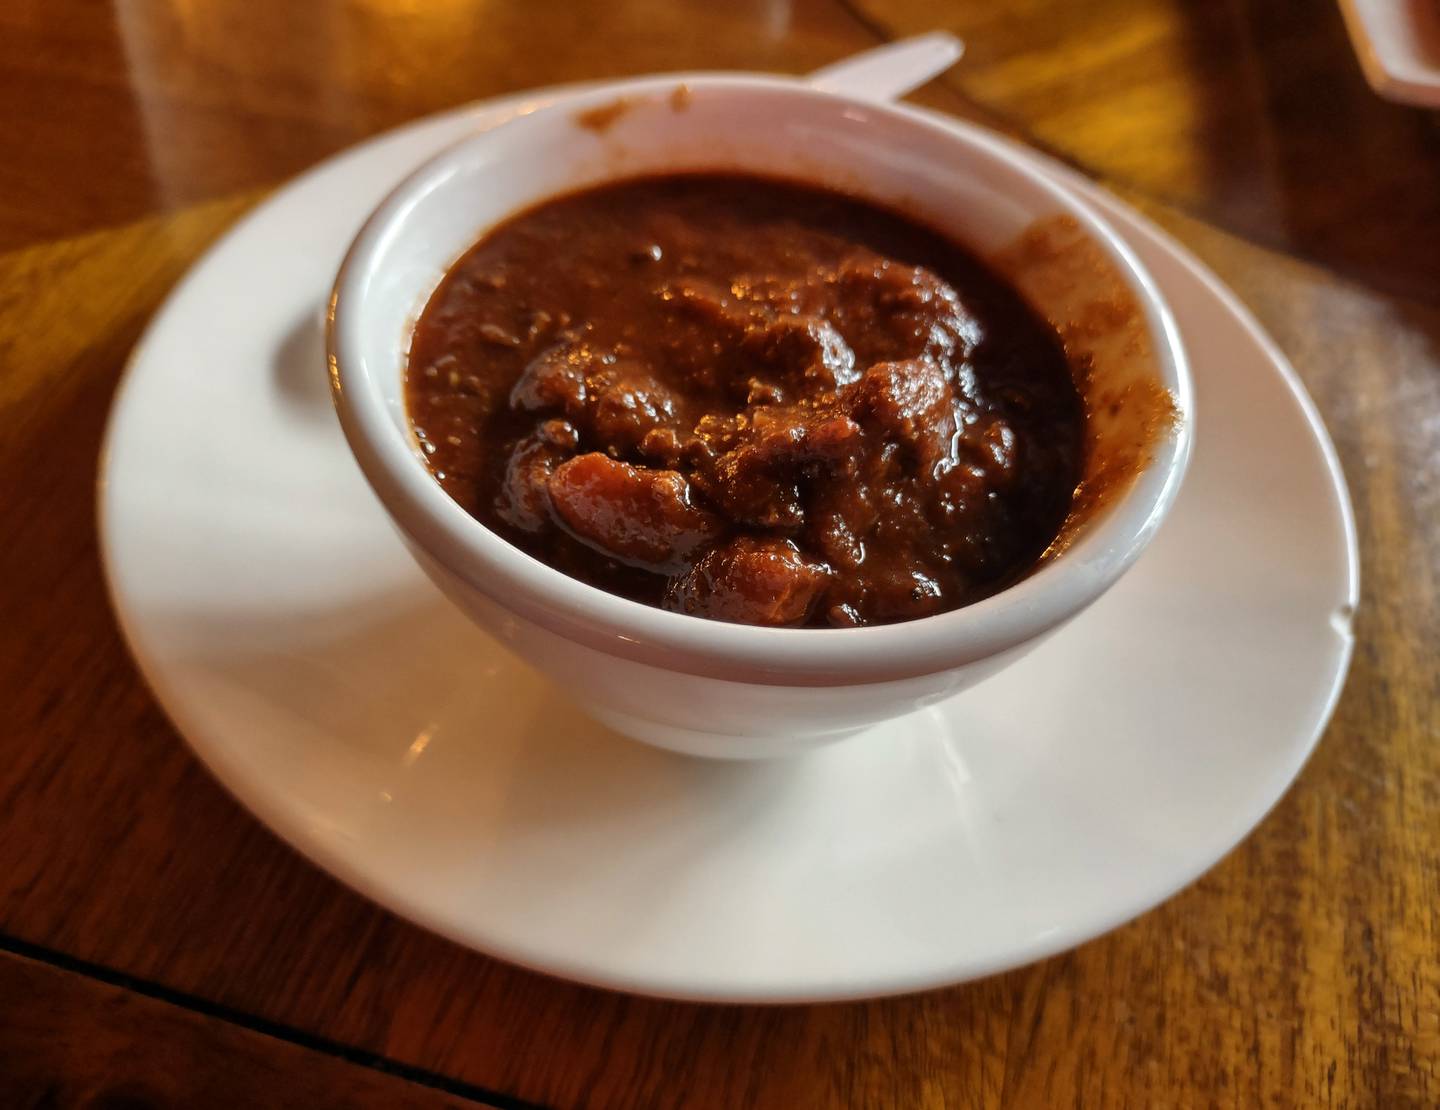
(678,681)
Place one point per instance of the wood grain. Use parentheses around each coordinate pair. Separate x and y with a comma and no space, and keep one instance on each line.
(143,106)
(1252,113)
(1302,971)
(69,1040)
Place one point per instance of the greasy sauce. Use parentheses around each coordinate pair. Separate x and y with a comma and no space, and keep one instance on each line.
(1129,413)
(749,400)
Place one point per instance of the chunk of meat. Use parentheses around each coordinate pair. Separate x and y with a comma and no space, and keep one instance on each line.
(757,481)
(806,352)
(637,515)
(788,436)
(751,493)
(839,520)
(617,400)
(911,592)
(911,403)
(662,446)
(750,581)
(706,326)
(626,404)
(713,306)
(523,500)
(904,308)
(801,350)
(555,379)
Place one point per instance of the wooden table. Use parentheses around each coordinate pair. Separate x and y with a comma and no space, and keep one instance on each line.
(159,947)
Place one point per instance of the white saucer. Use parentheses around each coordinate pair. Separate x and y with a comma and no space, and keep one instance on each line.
(328,685)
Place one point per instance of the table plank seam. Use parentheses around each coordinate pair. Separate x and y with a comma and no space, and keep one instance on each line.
(253,1022)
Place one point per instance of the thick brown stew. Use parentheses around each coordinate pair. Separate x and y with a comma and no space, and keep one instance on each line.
(748,400)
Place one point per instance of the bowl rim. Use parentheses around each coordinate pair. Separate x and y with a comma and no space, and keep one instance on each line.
(429,518)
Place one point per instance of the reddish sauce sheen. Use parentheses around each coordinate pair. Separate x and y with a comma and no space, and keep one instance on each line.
(748,400)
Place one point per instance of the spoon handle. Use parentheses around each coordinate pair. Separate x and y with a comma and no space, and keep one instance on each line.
(889,72)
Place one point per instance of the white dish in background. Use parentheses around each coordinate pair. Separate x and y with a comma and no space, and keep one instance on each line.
(1398,44)
(291,638)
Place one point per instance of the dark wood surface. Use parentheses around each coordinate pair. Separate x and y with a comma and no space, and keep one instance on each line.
(163,932)
(80,1040)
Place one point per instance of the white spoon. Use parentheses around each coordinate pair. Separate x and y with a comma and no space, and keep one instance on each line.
(889,72)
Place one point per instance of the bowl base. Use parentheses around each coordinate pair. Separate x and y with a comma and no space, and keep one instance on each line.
(712,745)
